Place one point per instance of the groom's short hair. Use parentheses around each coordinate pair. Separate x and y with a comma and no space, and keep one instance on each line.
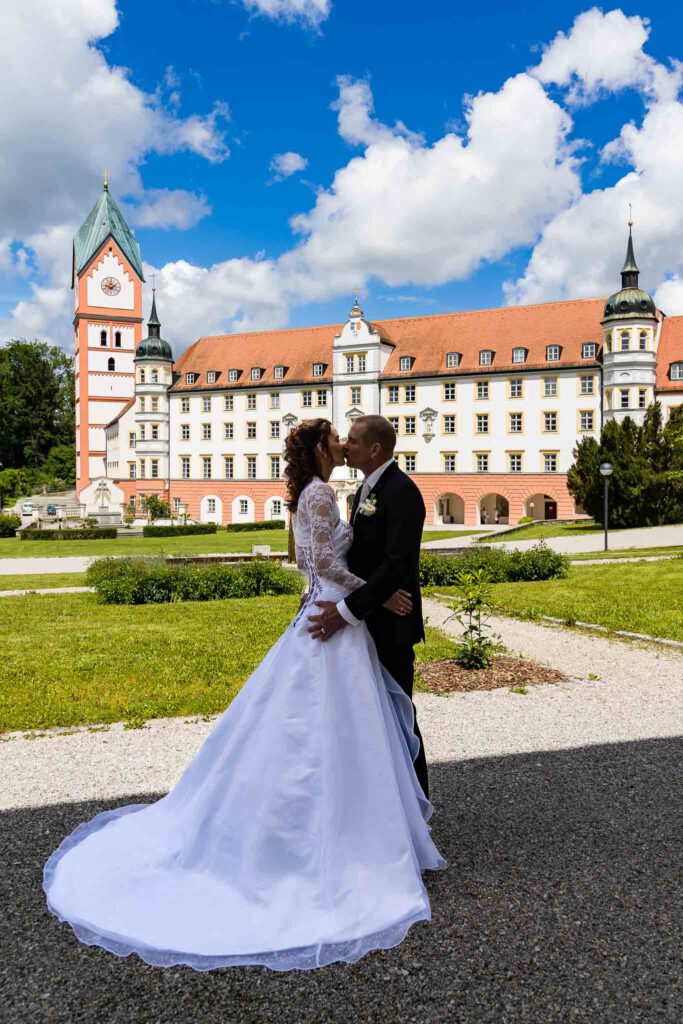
(377,430)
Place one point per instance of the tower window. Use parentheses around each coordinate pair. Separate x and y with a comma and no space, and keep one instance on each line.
(642,341)
(111,364)
(155,376)
(103,338)
(624,336)
(142,376)
(117,339)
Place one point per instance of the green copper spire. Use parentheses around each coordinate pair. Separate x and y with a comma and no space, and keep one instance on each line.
(105,220)
(629,271)
(154,346)
(154,323)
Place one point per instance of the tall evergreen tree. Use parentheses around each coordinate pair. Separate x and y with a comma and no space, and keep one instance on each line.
(36,402)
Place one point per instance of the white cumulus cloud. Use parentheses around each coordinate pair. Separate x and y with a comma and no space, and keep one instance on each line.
(283,165)
(310,12)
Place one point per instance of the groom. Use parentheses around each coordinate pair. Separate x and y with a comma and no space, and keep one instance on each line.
(387,517)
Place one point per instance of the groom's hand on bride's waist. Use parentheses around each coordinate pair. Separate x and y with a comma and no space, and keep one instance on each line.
(327,622)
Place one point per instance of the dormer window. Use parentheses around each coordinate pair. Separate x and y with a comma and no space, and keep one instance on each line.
(552,353)
(589,350)
(318,369)
(279,372)
(677,371)
(452,359)
(256,372)
(519,355)
(190,378)
(103,338)
(211,376)
(485,357)
(406,362)
(233,376)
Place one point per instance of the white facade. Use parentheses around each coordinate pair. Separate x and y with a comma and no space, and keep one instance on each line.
(109,266)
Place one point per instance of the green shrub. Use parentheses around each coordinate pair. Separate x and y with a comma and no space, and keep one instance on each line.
(153,581)
(99,533)
(266,524)
(9,524)
(177,531)
(523,520)
(538,563)
(499,566)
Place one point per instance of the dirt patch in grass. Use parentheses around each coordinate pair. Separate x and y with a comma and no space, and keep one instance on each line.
(448,676)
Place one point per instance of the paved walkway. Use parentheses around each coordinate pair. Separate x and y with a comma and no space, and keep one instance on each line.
(647,537)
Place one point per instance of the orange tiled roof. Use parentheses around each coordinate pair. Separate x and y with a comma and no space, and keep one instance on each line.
(670,351)
(426,338)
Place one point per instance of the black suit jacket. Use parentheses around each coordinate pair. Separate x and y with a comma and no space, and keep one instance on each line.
(386,553)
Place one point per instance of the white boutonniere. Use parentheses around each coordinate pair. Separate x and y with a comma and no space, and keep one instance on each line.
(369,506)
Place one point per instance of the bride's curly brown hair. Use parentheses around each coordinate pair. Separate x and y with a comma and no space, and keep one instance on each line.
(299,455)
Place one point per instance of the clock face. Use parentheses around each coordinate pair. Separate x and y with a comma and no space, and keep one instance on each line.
(110,286)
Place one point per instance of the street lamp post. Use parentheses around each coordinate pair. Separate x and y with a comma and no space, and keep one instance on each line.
(606,470)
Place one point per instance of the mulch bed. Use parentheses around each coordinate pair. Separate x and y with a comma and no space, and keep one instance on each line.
(448,677)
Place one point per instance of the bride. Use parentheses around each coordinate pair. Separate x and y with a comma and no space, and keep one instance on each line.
(297,835)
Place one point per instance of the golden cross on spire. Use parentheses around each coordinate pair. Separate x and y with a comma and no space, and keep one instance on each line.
(630,215)
(106,178)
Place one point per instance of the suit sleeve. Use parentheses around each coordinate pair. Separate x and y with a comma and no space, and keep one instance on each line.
(405,517)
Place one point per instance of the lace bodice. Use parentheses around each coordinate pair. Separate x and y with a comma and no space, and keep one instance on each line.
(322,540)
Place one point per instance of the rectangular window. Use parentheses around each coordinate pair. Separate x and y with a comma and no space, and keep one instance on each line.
(516,426)
(549,387)
(228,467)
(251,467)
(515,462)
(518,355)
(624,339)
(274,428)
(586,419)
(482,389)
(211,377)
(552,353)
(452,359)
(206,431)
(409,393)
(251,430)
(274,467)
(155,469)
(405,363)
(211,505)
(482,462)
(131,470)
(244,507)
(549,462)
(279,372)
(550,422)
(482,423)
(409,463)
(361,363)
(206,403)
(255,373)
(589,350)
(392,393)
(322,397)
(486,357)
(587,384)
(677,371)
(516,387)
(131,440)
(409,424)
(185,404)
(642,398)
(623,398)
(206,467)
(276,509)
(251,401)
(307,399)
(355,396)
(394,422)
(449,424)
(353,473)
(185,467)
(142,403)
(275,400)
(449,391)
(142,431)
(229,403)
(229,430)
(233,376)
(317,369)
(155,405)
(642,341)
(349,364)
(449,463)
(176,504)
(142,471)
(190,378)
(155,432)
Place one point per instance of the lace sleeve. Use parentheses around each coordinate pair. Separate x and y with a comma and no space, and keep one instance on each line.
(324,517)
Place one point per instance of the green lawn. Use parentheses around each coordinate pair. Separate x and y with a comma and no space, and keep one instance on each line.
(60,579)
(11,547)
(445,534)
(644,597)
(67,660)
(535,530)
(627,553)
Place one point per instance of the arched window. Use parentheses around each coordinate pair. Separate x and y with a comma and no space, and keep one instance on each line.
(142,376)
(111,364)
(155,376)
(642,339)
(624,341)
(117,339)
(103,337)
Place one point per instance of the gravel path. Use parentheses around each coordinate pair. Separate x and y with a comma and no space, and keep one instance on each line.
(559,812)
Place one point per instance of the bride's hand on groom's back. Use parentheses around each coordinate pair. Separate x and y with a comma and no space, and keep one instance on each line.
(400,603)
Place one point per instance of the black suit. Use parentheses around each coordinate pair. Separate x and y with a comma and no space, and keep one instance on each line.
(386,552)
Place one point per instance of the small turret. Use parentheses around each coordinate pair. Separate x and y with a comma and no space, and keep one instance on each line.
(630,300)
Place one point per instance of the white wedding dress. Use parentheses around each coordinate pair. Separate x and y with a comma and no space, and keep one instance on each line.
(297,834)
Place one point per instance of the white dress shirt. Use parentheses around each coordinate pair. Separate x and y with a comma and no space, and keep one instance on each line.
(367,486)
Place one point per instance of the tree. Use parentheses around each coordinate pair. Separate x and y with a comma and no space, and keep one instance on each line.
(646,488)
(155,507)
(59,467)
(36,402)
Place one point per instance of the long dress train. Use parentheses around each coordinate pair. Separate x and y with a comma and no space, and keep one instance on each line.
(297,834)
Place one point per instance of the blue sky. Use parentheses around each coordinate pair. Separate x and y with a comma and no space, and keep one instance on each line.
(214,90)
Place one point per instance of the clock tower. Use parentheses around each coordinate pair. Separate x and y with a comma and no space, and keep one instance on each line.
(107,284)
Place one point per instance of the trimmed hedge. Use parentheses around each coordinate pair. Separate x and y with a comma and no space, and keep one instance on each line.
(98,533)
(177,531)
(9,524)
(538,563)
(153,581)
(266,524)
